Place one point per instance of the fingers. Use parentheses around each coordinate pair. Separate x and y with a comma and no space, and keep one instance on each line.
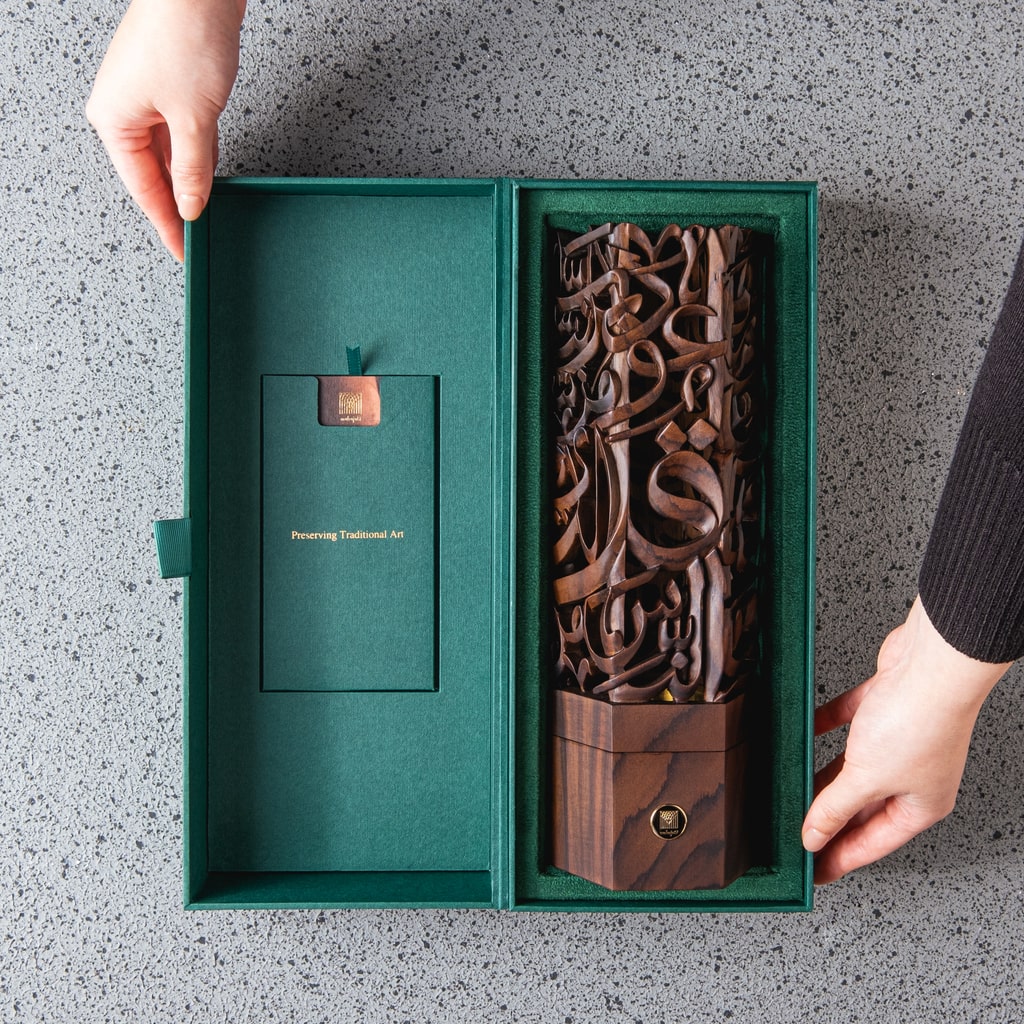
(887,829)
(167,195)
(853,822)
(144,174)
(825,776)
(910,727)
(836,804)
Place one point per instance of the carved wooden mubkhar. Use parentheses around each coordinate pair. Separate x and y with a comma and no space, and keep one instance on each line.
(657,495)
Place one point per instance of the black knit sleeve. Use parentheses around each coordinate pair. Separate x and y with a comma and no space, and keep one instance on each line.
(972,578)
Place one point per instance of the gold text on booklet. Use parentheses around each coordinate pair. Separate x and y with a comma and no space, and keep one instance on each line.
(336,535)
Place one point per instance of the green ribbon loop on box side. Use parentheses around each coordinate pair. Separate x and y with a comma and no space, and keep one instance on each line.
(173,547)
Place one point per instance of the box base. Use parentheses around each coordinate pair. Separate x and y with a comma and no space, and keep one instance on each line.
(649,797)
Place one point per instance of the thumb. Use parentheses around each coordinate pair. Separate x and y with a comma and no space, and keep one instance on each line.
(193,146)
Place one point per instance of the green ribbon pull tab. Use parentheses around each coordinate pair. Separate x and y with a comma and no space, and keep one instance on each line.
(355,361)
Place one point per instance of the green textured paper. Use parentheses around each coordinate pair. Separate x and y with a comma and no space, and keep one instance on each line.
(352,783)
(348,541)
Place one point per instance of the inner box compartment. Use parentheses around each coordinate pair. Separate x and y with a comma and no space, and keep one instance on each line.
(780,709)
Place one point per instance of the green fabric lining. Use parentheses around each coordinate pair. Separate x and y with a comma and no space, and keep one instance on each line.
(781,878)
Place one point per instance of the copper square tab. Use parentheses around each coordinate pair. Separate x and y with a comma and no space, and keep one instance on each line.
(348,401)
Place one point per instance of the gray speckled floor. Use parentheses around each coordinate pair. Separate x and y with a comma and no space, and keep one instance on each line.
(907,115)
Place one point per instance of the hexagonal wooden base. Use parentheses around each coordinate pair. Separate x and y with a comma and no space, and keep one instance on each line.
(616,765)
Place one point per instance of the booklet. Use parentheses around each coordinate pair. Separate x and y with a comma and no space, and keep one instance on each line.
(349,533)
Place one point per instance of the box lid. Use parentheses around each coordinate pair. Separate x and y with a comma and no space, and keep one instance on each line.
(314,545)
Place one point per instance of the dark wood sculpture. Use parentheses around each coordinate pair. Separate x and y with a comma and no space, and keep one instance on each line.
(657,473)
(657,494)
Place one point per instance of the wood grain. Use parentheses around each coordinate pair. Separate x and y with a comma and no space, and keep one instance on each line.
(657,472)
(603,799)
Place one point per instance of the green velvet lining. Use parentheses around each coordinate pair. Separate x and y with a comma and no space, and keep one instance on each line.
(781,879)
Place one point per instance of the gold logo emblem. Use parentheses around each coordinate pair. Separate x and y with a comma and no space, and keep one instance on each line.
(668,822)
(350,403)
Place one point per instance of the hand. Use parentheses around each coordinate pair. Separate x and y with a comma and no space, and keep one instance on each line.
(164,82)
(910,729)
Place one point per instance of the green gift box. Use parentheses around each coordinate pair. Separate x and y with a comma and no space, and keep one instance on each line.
(367,685)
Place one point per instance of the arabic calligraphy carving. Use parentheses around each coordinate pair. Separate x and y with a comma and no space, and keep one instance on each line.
(658,477)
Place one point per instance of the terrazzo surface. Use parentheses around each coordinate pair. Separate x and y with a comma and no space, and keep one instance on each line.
(909,118)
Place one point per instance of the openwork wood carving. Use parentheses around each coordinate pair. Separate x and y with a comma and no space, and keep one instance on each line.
(658,477)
